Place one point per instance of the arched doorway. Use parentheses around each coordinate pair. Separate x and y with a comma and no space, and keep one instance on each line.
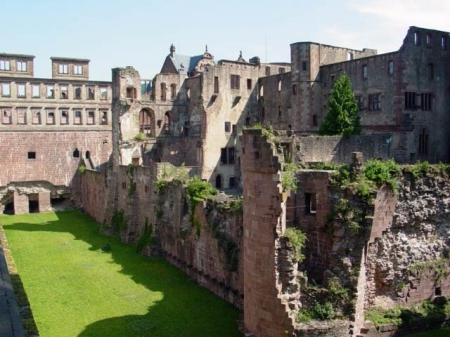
(219,181)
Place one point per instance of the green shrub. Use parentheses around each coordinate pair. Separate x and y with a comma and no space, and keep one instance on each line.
(297,239)
(350,215)
(418,169)
(118,221)
(336,290)
(140,137)
(289,177)
(303,316)
(146,237)
(382,172)
(322,311)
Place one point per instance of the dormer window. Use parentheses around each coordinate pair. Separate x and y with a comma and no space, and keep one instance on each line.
(62,69)
(21,66)
(78,70)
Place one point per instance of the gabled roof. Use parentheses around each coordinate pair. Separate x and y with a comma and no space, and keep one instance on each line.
(187,62)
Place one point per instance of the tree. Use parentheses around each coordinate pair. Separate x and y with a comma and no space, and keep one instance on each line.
(342,116)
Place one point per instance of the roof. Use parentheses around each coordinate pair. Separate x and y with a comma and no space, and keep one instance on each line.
(187,62)
(17,55)
(69,59)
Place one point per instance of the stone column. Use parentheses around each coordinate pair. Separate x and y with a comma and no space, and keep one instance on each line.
(21,205)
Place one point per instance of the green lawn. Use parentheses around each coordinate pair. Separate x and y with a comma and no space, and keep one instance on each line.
(434,333)
(75,289)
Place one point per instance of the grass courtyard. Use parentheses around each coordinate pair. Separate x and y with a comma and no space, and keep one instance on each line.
(76,289)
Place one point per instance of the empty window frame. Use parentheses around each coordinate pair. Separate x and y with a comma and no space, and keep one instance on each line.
(267,70)
(349,56)
(314,120)
(64,92)
(31,155)
(281,70)
(5,65)
(227,156)
(443,43)
(62,69)
(360,102)
(76,153)
(90,117)
(410,100)
(279,85)
(50,91)
(249,83)
(104,117)
(173,91)
(77,117)
(21,115)
(64,119)
(375,102)
(391,67)
(21,66)
(425,101)
(77,70)
(103,93)
(167,123)
(21,93)
(146,87)
(163,92)
(131,93)
(145,122)
(364,71)
(50,117)
(36,116)
(310,203)
(232,182)
(416,38)
(90,93)
(6,90)
(294,89)
(304,65)
(235,81)
(227,126)
(35,91)
(6,116)
(77,92)
(216,84)
(423,142)
(429,40)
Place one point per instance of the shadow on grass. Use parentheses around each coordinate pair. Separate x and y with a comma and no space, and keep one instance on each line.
(185,310)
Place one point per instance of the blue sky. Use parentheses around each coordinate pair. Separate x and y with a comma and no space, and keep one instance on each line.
(114,33)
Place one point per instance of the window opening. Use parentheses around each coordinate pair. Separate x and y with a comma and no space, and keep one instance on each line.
(310,203)
(31,155)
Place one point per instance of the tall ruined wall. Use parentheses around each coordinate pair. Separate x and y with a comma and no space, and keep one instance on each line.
(268,308)
(408,261)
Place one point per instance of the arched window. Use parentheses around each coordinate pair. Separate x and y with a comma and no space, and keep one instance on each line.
(279,85)
(76,153)
(261,91)
(167,123)
(146,122)
(173,90)
(219,181)
(88,155)
(163,91)
(294,89)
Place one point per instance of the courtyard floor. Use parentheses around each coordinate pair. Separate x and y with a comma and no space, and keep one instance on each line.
(76,289)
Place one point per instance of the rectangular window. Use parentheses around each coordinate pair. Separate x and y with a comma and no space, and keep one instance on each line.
(146,87)
(32,155)
(50,117)
(104,117)
(90,117)
(5,65)
(227,126)
(410,101)
(443,43)
(78,70)
(21,91)
(64,92)
(235,81)
(267,71)
(50,91)
(249,83)
(90,93)
(6,116)
(36,113)
(375,102)
(233,129)
(6,90)
(21,66)
(360,101)
(391,67)
(232,182)
(304,66)
(35,91)
(62,69)
(364,71)
(423,142)
(416,38)
(64,117)
(426,102)
(103,93)
(77,92)
(429,40)
(314,121)
(227,155)
(77,117)
(216,84)
(281,70)
(310,203)
(21,116)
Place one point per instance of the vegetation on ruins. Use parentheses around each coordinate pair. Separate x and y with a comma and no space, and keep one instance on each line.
(140,137)
(82,167)
(130,174)
(289,177)
(119,293)
(297,239)
(342,116)
(146,237)
(118,221)
(198,190)
(171,173)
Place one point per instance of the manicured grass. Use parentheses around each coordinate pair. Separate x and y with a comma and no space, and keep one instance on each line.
(76,289)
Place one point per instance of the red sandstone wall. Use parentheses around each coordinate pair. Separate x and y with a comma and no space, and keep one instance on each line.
(54,160)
